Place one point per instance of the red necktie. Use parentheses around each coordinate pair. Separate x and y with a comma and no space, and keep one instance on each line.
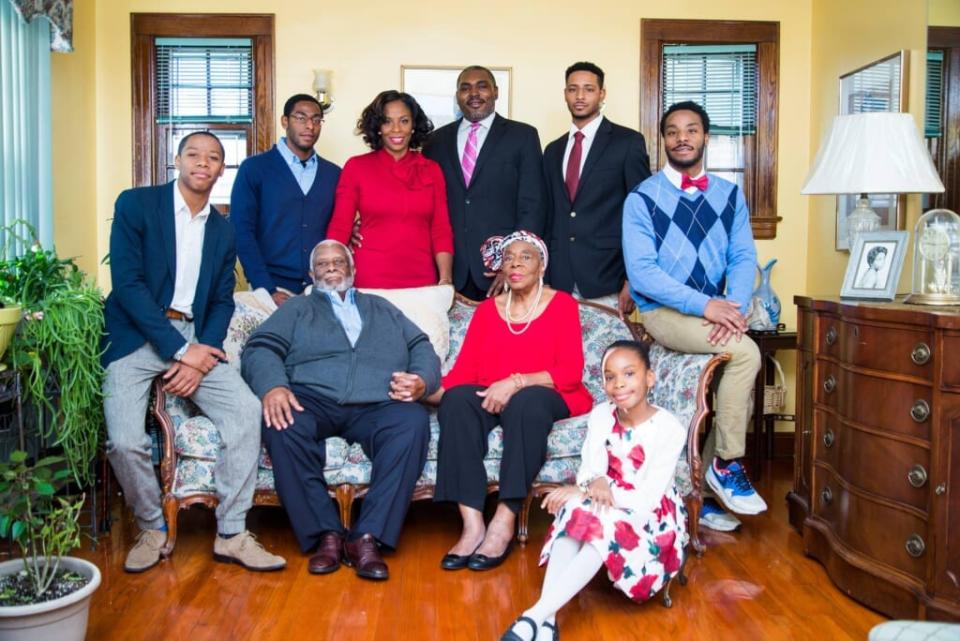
(700,183)
(573,165)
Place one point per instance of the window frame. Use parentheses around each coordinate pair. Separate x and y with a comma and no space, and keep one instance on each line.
(760,177)
(947,156)
(148,167)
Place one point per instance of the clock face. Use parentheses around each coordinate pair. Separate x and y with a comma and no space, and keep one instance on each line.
(933,244)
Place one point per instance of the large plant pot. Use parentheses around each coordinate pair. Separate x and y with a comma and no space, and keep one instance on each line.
(9,317)
(63,619)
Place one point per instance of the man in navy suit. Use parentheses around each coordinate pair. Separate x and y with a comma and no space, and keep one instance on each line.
(172,257)
(492,167)
(589,171)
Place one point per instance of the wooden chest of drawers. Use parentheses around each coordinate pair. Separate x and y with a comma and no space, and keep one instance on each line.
(876,490)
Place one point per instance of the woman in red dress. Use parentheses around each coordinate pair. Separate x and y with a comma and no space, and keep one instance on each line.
(400,199)
(520,367)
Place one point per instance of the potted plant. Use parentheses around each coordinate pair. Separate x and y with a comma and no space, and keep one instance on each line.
(44,595)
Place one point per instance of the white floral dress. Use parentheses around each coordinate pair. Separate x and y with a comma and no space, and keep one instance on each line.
(642,538)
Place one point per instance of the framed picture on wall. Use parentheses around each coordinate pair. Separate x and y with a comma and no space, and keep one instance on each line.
(881,85)
(435,88)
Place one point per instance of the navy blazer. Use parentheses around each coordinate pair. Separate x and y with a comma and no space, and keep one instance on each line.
(584,236)
(143,268)
(506,191)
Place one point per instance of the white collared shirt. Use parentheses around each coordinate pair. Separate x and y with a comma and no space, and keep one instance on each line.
(190,232)
(675,177)
(464,130)
(589,132)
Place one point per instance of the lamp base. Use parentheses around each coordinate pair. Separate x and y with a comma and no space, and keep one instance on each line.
(861,219)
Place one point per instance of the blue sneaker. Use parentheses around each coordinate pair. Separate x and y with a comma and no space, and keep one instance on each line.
(733,488)
(714,517)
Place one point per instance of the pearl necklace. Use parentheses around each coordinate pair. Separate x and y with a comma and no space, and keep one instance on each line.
(528,317)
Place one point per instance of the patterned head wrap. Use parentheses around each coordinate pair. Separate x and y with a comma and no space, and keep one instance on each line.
(492,248)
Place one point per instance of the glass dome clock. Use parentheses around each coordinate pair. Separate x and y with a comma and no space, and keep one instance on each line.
(936,259)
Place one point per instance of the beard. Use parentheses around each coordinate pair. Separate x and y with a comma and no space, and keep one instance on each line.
(685,164)
(344,285)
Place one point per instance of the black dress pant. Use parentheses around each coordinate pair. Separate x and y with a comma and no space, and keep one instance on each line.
(464,427)
(393,435)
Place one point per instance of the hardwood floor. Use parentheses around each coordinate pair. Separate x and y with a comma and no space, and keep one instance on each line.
(755,584)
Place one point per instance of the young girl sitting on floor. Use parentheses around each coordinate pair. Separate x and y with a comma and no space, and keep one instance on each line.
(625,511)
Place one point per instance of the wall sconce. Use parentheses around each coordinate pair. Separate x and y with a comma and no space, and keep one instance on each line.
(322,88)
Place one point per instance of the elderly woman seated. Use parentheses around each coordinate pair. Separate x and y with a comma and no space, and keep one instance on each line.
(521,367)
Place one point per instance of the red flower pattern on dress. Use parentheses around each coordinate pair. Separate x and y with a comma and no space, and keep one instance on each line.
(666,507)
(615,563)
(637,456)
(641,590)
(625,536)
(618,427)
(584,526)
(615,471)
(668,553)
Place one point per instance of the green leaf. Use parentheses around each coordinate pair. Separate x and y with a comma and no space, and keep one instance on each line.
(18,456)
(48,461)
(18,528)
(4,526)
(45,489)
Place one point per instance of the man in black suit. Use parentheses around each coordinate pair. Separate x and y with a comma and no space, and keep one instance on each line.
(492,167)
(589,171)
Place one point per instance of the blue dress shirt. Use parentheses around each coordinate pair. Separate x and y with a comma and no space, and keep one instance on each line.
(303,172)
(347,313)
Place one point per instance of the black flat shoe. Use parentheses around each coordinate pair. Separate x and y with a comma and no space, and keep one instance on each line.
(483,562)
(510,635)
(456,561)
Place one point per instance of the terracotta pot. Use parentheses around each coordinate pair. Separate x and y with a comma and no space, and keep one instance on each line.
(63,619)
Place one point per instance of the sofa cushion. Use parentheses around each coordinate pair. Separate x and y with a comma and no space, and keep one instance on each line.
(427,308)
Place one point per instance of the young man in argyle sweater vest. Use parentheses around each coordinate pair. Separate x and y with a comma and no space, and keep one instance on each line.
(690,260)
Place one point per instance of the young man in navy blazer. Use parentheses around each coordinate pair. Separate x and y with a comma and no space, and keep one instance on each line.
(492,167)
(585,197)
(172,257)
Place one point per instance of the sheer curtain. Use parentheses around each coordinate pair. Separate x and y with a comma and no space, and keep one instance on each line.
(25,143)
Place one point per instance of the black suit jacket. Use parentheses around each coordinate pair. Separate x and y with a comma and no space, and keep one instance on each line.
(585,235)
(143,256)
(506,191)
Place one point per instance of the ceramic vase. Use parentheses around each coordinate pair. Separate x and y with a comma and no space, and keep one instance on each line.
(768,297)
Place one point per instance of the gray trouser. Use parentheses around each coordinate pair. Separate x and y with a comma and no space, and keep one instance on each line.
(222,396)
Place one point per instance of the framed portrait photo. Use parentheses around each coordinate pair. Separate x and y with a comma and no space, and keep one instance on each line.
(876,262)
(435,88)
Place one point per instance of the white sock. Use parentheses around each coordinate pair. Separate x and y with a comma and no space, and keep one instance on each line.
(572,577)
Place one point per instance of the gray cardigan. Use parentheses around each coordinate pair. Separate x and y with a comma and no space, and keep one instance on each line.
(303,343)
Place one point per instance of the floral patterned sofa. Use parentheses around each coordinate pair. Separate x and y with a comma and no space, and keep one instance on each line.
(189,441)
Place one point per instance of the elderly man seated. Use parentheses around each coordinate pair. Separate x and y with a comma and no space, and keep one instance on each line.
(342,363)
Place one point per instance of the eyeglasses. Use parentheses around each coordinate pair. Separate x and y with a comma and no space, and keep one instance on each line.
(301,119)
(322,265)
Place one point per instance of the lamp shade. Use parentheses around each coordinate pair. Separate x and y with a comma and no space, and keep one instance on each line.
(873,153)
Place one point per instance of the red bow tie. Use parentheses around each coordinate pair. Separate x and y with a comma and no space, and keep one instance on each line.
(700,183)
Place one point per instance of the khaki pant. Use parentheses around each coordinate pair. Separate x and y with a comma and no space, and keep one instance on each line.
(733,404)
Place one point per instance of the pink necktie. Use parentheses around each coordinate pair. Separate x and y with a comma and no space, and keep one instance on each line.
(469,160)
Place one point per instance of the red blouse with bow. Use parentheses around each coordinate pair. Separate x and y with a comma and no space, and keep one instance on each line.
(404,220)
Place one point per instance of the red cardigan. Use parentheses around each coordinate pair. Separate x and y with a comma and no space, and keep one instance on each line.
(552,343)
(403,218)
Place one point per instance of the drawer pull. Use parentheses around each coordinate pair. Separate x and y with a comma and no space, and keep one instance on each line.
(941,489)
(831,335)
(920,354)
(828,438)
(826,496)
(830,384)
(915,546)
(917,476)
(920,411)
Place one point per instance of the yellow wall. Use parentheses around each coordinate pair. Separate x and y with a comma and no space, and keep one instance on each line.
(846,36)
(944,13)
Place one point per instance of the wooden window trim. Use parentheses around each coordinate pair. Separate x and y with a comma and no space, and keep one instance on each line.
(947,160)
(761,183)
(146,27)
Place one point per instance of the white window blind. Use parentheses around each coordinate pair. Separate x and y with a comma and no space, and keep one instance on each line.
(720,78)
(204,80)
(933,117)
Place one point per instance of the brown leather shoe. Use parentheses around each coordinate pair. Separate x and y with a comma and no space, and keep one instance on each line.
(363,555)
(327,557)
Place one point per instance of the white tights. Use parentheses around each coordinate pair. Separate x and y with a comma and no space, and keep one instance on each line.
(571,566)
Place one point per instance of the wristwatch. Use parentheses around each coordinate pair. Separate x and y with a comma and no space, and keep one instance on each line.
(180,353)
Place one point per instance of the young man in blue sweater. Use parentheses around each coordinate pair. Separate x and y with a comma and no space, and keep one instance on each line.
(690,259)
(281,203)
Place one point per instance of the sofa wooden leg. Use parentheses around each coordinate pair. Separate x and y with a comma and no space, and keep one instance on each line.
(694,504)
(171,506)
(345,496)
(523,532)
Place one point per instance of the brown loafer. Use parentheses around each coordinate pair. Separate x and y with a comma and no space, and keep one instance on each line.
(363,555)
(327,557)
